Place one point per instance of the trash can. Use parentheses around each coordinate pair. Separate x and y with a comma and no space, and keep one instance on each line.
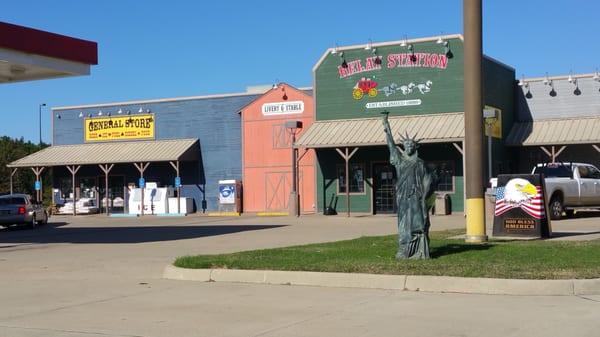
(442,204)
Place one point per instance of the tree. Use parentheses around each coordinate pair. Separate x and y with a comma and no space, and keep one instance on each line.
(23,180)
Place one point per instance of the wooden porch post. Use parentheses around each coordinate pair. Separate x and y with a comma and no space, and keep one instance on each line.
(176,167)
(38,172)
(12,174)
(106,169)
(141,168)
(73,169)
(347,157)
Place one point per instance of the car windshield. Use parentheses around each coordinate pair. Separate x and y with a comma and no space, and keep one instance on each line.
(558,171)
(12,201)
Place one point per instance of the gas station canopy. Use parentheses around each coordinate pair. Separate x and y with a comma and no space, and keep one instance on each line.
(28,54)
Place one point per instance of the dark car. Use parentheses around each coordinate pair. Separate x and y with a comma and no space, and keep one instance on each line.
(19,210)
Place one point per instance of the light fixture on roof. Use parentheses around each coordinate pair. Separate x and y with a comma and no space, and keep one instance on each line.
(546,79)
(108,113)
(440,40)
(99,112)
(522,80)
(80,114)
(576,92)
(58,116)
(528,94)
(596,76)
(447,50)
(128,112)
(411,50)
(552,92)
(369,45)
(147,111)
(403,42)
(285,96)
(335,49)
(344,63)
(120,111)
(141,110)
(90,115)
(570,79)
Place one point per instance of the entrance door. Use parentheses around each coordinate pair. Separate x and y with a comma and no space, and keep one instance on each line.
(384,189)
(116,194)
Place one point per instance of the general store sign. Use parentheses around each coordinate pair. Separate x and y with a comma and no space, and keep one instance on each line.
(119,128)
(283,108)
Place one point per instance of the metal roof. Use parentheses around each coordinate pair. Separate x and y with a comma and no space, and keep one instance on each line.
(111,153)
(432,128)
(559,131)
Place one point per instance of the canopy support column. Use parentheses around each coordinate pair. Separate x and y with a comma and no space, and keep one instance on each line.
(141,167)
(12,174)
(106,169)
(38,172)
(73,169)
(347,157)
(176,167)
(553,153)
(596,147)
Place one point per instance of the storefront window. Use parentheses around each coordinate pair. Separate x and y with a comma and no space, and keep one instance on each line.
(357,178)
(445,172)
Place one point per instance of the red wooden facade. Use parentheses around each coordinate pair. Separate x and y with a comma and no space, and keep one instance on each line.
(267,152)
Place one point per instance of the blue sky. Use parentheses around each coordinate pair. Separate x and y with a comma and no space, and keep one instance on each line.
(158,49)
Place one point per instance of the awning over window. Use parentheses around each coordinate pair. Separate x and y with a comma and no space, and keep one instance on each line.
(433,128)
(113,153)
(560,131)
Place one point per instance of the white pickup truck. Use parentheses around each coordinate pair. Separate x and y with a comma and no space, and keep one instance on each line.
(570,186)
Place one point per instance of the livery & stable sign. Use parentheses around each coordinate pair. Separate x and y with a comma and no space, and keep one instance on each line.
(520,208)
(119,128)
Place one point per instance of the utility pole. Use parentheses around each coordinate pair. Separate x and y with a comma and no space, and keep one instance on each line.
(473,98)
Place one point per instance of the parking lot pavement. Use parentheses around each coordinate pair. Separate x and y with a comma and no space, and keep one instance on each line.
(93,275)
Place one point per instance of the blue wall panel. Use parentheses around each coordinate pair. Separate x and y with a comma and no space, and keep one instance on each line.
(214,121)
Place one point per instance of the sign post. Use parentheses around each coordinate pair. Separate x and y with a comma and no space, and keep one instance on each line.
(178,186)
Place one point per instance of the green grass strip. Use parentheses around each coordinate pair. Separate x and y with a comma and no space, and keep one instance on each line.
(535,259)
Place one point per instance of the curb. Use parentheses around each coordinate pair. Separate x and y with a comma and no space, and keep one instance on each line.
(439,284)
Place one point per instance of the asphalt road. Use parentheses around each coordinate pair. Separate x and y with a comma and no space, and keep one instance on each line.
(93,276)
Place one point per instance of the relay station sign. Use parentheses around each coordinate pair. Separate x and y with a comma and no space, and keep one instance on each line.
(119,128)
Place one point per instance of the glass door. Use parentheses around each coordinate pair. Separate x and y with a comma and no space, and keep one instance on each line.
(384,185)
(116,194)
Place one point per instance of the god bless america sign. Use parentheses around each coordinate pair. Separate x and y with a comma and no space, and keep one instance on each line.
(520,207)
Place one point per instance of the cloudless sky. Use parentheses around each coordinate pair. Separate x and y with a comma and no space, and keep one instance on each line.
(159,49)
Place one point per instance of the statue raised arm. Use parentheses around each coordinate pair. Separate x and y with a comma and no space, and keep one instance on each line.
(395,154)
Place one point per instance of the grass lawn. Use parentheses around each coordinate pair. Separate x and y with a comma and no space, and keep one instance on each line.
(450,257)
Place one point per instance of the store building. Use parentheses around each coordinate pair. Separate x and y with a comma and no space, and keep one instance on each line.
(557,119)
(420,83)
(197,139)
(267,138)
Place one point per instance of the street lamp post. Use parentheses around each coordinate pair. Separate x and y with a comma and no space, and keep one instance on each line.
(40,120)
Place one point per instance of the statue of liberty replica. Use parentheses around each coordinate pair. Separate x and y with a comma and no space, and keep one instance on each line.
(414,195)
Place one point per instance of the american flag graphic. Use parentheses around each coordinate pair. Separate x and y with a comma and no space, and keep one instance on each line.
(533,206)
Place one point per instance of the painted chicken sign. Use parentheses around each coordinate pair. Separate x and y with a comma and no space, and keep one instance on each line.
(519,208)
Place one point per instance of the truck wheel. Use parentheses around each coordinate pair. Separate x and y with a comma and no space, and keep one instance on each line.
(556,208)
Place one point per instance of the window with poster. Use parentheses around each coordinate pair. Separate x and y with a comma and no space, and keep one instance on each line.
(356,176)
